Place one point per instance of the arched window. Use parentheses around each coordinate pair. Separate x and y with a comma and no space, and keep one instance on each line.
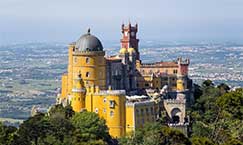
(87,60)
(87,74)
(96,110)
(111,113)
(75,60)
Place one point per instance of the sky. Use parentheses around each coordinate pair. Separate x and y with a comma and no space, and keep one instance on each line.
(163,20)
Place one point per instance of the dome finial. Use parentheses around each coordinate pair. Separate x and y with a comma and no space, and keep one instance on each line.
(88,31)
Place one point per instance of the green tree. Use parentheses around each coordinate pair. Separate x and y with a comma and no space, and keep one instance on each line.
(207,83)
(7,134)
(233,103)
(33,129)
(217,114)
(201,141)
(61,127)
(155,134)
(67,111)
(223,88)
(89,128)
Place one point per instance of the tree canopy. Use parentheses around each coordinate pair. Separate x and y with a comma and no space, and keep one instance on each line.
(216,118)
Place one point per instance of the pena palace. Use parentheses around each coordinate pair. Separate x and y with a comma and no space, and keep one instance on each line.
(122,89)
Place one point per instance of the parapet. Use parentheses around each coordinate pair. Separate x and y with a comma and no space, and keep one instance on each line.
(180,61)
(80,53)
(96,90)
(112,92)
(174,101)
(142,103)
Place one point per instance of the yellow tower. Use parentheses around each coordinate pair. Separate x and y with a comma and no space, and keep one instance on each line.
(110,105)
(116,117)
(85,57)
(78,94)
(180,84)
(123,51)
(88,58)
(70,68)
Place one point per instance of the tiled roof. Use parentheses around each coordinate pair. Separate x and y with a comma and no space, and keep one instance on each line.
(160,64)
(113,58)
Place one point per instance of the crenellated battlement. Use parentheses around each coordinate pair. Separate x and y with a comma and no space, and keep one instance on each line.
(180,61)
(175,101)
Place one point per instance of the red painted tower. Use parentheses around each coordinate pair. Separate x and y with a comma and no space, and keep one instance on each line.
(129,38)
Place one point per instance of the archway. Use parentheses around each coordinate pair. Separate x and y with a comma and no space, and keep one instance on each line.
(175,115)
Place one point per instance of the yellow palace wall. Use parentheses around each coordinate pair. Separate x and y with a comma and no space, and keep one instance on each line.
(109,105)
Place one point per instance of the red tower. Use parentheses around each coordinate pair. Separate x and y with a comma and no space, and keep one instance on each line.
(129,38)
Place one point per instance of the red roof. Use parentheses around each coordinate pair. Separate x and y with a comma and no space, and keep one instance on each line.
(113,58)
(160,64)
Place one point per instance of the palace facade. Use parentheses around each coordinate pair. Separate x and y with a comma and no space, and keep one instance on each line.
(122,89)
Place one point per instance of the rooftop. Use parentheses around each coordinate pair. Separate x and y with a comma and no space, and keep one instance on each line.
(160,64)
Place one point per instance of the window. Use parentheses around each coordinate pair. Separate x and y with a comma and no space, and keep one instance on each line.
(175,71)
(147,111)
(137,111)
(112,104)
(96,110)
(152,110)
(75,60)
(87,74)
(104,100)
(87,60)
(141,111)
(104,110)
(111,113)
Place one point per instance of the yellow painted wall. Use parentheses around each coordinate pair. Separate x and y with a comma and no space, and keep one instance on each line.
(130,119)
(147,81)
(168,70)
(138,114)
(96,67)
(70,69)
(116,122)
(99,103)
(142,116)
(64,86)
(180,85)
(78,94)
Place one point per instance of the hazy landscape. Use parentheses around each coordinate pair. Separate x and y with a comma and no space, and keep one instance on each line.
(30,73)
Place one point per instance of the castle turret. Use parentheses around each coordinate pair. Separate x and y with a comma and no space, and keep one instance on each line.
(88,58)
(181,83)
(78,94)
(129,38)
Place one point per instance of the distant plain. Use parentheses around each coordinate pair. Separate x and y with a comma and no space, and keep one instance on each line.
(30,74)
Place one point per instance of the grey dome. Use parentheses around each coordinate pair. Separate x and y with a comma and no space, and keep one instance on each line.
(88,42)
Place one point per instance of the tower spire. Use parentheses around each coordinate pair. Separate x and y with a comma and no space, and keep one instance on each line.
(88,32)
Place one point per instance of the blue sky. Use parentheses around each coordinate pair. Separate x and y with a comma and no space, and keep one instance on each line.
(164,20)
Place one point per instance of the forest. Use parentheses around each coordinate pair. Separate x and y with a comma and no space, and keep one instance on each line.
(216,119)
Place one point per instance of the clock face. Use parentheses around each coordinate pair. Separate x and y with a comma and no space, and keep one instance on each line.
(125,33)
(132,34)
